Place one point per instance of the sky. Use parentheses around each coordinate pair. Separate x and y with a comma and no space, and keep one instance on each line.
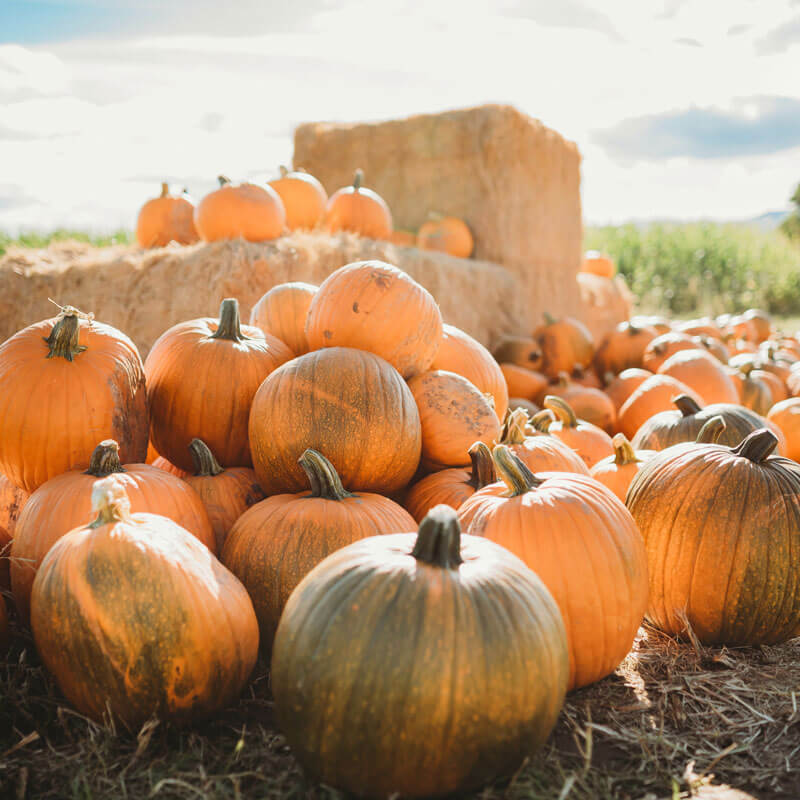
(681,108)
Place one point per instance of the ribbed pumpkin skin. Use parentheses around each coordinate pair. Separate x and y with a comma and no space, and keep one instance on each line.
(465,356)
(539,452)
(12,501)
(723,543)
(584,545)
(522,382)
(282,312)
(589,404)
(564,344)
(54,411)
(203,387)
(449,487)
(449,235)
(653,395)
(616,472)
(621,387)
(373,306)
(623,348)
(453,415)
(65,503)
(358,210)
(664,346)
(277,542)
(304,199)
(433,681)
(786,416)
(673,427)
(167,466)
(143,617)
(255,213)
(166,219)
(350,405)
(703,373)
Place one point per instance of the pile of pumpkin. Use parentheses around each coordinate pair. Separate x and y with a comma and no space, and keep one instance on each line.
(311,477)
(294,201)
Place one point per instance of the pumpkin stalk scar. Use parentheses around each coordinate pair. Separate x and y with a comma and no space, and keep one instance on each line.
(63,339)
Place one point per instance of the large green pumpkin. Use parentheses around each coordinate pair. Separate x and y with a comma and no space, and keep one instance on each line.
(418,664)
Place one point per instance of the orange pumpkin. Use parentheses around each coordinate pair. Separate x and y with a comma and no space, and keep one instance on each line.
(403,238)
(166,219)
(595,263)
(585,377)
(664,346)
(623,348)
(519,350)
(161,463)
(527,406)
(654,395)
(201,379)
(777,388)
(786,415)
(304,199)
(617,471)
(133,616)
(521,382)
(538,450)
(449,235)
(226,493)
(703,373)
(282,313)
(278,541)
(715,347)
(584,545)
(704,326)
(592,405)
(359,210)
(252,212)
(753,392)
(620,387)
(760,324)
(373,306)
(591,443)
(564,343)
(453,414)
(64,384)
(12,501)
(351,405)
(465,356)
(65,502)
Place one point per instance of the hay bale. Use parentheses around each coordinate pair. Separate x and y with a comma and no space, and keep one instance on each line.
(144,292)
(515,182)
(605,303)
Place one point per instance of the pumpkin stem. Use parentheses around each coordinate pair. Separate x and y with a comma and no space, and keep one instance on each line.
(110,502)
(223,180)
(562,381)
(686,404)
(549,319)
(105,460)
(513,431)
(439,539)
(482,466)
(562,410)
(623,451)
(542,421)
(633,329)
(63,339)
(711,431)
(283,170)
(322,475)
(358,179)
(756,445)
(204,462)
(230,326)
(164,189)
(514,474)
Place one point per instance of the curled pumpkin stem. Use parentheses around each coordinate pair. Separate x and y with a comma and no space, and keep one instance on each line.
(322,475)
(711,431)
(542,420)
(562,410)
(686,404)
(513,431)
(623,451)
(204,462)
(516,475)
(757,446)
(482,466)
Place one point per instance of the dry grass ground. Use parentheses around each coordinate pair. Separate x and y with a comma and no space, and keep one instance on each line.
(675,721)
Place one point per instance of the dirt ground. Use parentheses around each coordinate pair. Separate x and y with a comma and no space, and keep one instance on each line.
(675,721)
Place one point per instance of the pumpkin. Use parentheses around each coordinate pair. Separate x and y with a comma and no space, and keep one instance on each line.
(623,348)
(12,501)
(166,219)
(403,238)
(273,545)
(592,405)
(453,414)
(226,493)
(660,324)
(739,589)
(449,235)
(252,212)
(65,502)
(303,196)
(741,347)
(753,392)
(523,382)
(538,450)
(585,377)
(684,421)
(664,346)
(584,545)
(134,616)
(715,347)
(519,350)
(703,373)
(595,263)
(373,306)
(654,395)
(451,487)
(616,472)
(465,356)
(703,326)
(786,416)
(201,379)
(351,405)
(590,442)
(282,313)
(161,463)
(620,387)
(777,388)
(760,324)
(564,343)
(65,383)
(407,622)
(359,210)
